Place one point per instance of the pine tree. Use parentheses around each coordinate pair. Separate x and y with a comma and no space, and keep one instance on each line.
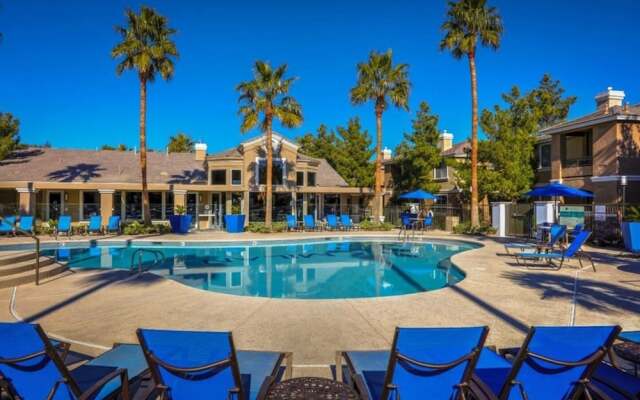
(353,158)
(9,139)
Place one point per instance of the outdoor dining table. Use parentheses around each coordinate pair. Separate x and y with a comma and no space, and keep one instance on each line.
(311,388)
(628,348)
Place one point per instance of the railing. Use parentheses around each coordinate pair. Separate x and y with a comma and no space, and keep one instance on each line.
(158,257)
(37,240)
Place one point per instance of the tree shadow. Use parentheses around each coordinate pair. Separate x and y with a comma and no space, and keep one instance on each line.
(83,172)
(591,294)
(188,176)
(21,156)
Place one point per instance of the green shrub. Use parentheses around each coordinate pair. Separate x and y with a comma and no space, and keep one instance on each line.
(46,228)
(465,228)
(136,228)
(259,227)
(376,226)
(632,213)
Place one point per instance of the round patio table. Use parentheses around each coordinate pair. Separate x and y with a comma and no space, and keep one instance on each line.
(311,389)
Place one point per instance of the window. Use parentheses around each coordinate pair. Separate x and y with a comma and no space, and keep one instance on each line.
(441,172)
(133,205)
(543,155)
(219,177)
(168,204)
(300,178)
(90,204)
(236,177)
(117,203)
(311,178)
(577,149)
(277,172)
(155,205)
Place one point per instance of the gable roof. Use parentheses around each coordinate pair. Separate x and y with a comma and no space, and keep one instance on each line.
(616,113)
(104,166)
(458,150)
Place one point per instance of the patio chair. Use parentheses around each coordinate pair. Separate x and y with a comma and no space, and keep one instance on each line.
(427,223)
(345,221)
(556,232)
(113,225)
(64,225)
(576,229)
(573,251)
(434,361)
(7,225)
(95,225)
(198,365)
(32,367)
(292,223)
(554,362)
(309,223)
(615,383)
(332,222)
(25,225)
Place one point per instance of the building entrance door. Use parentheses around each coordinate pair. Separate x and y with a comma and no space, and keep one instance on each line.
(55,205)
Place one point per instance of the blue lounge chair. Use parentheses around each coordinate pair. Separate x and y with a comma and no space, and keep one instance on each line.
(95,224)
(114,224)
(64,225)
(309,223)
(25,224)
(427,223)
(576,229)
(292,223)
(553,363)
(434,361)
(574,250)
(7,225)
(345,221)
(198,365)
(615,383)
(556,233)
(32,367)
(332,222)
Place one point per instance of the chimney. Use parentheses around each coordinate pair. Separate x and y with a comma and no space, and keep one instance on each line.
(386,153)
(201,151)
(608,99)
(445,142)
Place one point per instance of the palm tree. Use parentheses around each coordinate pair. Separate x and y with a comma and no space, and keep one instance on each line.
(180,143)
(380,81)
(147,48)
(470,21)
(268,95)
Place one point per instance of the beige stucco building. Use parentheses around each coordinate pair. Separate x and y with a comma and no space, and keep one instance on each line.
(599,152)
(49,182)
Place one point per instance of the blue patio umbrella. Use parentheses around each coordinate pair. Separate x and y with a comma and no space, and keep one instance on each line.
(558,189)
(418,194)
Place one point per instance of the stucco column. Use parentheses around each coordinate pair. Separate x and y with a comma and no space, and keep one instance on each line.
(179,199)
(305,204)
(245,206)
(26,200)
(228,202)
(106,204)
(344,206)
(294,197)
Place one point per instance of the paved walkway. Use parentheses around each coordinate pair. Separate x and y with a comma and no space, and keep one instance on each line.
(106,307)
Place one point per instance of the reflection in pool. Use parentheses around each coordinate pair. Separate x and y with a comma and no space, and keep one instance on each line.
(326,270)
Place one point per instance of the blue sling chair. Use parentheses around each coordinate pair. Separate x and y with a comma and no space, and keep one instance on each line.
(25,224)
(332,222)
(7,225)
(556,232)
(32,367)
(345,221)
(205,365)
(553,363)
(64,225)
(573,251)
(95,224)
(613,381)
(434,361)
(114,224)
(292,223)
(309,222)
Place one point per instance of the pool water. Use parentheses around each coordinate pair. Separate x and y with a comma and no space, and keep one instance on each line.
(325,270)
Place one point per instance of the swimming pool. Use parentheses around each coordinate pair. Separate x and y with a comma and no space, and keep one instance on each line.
(305,270)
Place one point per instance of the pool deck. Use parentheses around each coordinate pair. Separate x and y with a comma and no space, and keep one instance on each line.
(103,307)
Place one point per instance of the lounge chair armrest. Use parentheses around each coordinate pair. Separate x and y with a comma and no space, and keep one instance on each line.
(480,390)
(361,386)
(597,393)
(63,348)
(95,389)
(266,385)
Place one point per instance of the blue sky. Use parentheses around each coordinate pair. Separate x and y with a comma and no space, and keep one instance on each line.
(57,77)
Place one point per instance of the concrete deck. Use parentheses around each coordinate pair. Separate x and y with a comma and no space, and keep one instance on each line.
(103,307)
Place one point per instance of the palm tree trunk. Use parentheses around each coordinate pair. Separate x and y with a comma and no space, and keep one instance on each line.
(377,199)
(268,200)
(475,220)
(143,151)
